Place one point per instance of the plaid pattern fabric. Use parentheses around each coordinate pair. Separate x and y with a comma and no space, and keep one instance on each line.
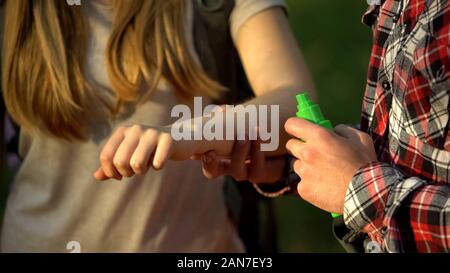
(403,201)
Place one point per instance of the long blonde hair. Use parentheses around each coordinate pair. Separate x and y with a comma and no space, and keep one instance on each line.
(44,49)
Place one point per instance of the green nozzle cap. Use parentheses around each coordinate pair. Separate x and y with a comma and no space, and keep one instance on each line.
(309,110)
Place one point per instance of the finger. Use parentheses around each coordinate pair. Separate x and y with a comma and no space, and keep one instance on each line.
(124,153)
(295,146)
(140,159)
(257,161)
(196,157)
(273,170)
(305,130)
(163,151)
(298,167)
(238,168)
(108,152)
(212,166)
(101,176)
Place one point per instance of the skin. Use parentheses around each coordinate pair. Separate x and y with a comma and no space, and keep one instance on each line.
(264,39)
(327,160)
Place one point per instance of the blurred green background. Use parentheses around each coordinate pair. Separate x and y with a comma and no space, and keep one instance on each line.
(336,46)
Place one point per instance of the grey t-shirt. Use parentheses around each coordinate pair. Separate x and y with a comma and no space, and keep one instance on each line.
(55,200)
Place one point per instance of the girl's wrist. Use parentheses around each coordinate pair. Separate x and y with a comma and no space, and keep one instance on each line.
(286,185)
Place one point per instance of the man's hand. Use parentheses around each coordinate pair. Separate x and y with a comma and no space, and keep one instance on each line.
(327,160)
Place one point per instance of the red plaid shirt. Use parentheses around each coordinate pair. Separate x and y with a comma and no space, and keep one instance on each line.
(403,201)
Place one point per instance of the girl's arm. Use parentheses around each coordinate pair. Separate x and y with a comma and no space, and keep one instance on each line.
(273,63)
(276,72)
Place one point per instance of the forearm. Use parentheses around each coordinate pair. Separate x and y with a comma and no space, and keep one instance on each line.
(276,71)
(274,65)
(284,97)
(236,123)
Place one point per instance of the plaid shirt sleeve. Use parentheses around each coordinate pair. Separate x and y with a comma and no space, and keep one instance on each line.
(403,201)
(397,211)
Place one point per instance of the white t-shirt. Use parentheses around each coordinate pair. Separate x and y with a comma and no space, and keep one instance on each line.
(55,199)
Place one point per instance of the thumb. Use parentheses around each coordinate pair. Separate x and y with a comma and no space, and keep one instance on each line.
(100,175)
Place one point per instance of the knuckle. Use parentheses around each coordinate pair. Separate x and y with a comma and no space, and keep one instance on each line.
(150,133)
(297,167)
(303,191)
(290,143)
(323,134)
(105,158)
(121,129)
(308,154)
(119,163)
(365,137)
(137,166)
(136,129)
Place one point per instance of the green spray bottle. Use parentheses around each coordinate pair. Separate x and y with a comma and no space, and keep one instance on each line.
(307,109)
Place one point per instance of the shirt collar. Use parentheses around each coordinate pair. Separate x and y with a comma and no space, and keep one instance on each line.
(371,14)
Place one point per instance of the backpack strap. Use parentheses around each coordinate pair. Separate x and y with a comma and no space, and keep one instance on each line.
(216,50)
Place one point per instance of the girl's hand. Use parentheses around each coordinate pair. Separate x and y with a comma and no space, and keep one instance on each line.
(247,163)
(133,150)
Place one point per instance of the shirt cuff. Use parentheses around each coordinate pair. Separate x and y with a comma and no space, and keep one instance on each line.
(366,200)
